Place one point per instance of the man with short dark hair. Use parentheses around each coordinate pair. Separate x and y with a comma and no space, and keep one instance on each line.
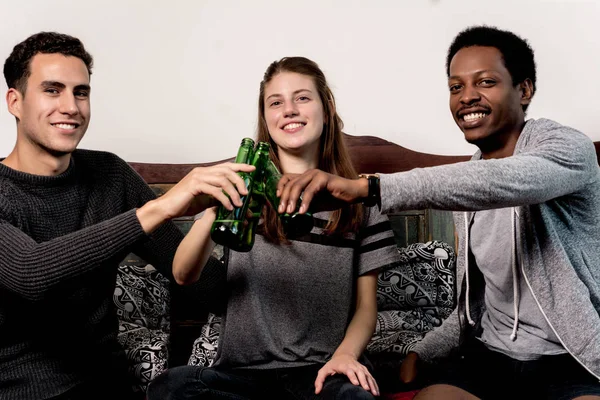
(67,218)
(528,323)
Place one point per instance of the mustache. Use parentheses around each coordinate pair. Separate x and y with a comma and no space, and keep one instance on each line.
(478,107)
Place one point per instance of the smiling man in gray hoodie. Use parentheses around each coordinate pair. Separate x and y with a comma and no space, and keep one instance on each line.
(528,221)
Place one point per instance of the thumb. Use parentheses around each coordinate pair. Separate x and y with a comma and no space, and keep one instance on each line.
(319,381)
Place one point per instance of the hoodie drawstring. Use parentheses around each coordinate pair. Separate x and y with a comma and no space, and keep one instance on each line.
(468,308)
(513,259)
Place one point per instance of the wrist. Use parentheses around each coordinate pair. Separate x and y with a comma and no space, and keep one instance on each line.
(345,353)
(372,195)
(151,215)
(363,189)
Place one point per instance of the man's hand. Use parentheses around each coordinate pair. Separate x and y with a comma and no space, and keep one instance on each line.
(330,192)
(408,368)
(219,182)
(347,365)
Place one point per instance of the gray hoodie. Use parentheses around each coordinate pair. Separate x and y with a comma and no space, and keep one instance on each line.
(553,183)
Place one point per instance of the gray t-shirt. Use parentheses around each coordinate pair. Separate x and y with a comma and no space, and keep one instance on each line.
(491,246)
(290,305)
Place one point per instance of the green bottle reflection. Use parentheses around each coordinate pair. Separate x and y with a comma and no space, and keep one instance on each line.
(236,229)
(228,228)
(257,197)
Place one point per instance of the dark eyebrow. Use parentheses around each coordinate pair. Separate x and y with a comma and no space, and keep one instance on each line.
(476,73)
(53,84)
(83,87)
(295,93)
(60,85)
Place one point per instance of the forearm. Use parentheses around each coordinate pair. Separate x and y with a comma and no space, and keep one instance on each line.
(194,250)
(549,170)
(439,342)
(361,327)
(358,334)
(151,215)
(29,269)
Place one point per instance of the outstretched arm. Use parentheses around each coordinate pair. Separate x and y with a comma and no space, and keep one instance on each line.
(29,269)
(560,162)
(194,250)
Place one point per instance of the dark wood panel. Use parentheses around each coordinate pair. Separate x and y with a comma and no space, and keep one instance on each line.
(369,154)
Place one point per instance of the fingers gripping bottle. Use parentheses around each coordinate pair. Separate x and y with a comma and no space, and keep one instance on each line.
(228,227)
(232,228)
(295,224)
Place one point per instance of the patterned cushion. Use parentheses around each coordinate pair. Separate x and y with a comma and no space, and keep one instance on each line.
(204,349)
(146,350)
(142,297)
(142,300)
(413,297)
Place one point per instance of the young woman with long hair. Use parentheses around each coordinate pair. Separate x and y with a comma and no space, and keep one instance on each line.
(300,310)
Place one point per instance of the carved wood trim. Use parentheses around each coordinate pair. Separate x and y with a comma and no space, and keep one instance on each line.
(369,154)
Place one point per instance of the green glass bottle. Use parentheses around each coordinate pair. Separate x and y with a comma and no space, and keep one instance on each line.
(257,197)
(294,224)
(235,229)
(228,227)
(257,202)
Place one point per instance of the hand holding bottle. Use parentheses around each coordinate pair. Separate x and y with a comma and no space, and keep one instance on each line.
(230,227)
(333,191)
(201,188)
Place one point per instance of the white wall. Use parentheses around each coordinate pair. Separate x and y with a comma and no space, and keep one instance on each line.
(177,81)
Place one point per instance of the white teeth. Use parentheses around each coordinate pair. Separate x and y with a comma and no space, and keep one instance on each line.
(65,126)
(291,126)
(473,116)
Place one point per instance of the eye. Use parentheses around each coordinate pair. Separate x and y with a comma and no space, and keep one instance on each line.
(275,103)
(303,98)
(82,94)
(487,82)
(51,90)
(455,88)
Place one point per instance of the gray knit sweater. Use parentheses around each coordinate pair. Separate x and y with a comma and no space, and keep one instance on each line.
(553,181)
(61,239)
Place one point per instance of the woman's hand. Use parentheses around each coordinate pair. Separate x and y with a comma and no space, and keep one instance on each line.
(347,365)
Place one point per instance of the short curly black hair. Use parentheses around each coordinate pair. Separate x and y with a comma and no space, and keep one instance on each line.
(16,66)
(516,51)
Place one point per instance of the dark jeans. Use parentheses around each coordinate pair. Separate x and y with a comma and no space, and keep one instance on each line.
(489,374)
(297,383)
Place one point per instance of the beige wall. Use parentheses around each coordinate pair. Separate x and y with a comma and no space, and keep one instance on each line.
(176,81)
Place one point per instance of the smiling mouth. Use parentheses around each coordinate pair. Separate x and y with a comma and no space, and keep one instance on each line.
(472,117)
(66,126)
(293,126)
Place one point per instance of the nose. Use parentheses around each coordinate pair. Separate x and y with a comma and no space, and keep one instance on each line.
(469,95)
(68,104)
(290,110)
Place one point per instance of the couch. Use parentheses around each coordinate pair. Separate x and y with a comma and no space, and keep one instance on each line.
(159,327)
(413,297)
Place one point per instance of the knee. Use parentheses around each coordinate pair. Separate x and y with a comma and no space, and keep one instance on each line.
(172,383)
(352,392)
